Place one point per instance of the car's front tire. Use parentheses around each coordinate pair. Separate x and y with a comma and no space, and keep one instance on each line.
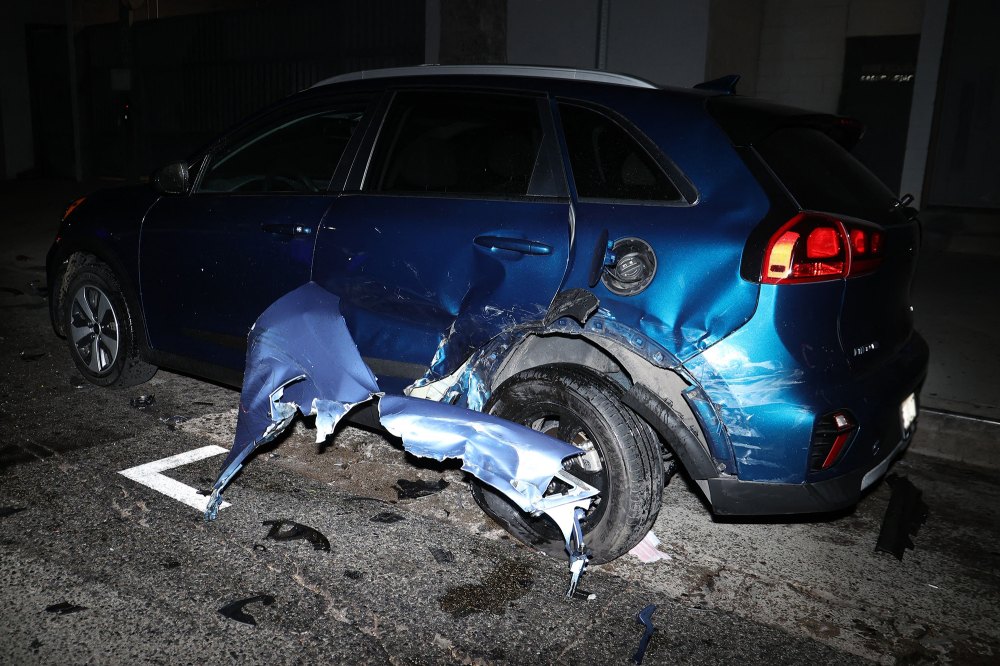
(621,458)
(100,329)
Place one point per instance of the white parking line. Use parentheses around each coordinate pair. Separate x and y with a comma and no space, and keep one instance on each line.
(150,475)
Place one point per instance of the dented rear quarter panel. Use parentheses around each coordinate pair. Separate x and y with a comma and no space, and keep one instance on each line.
(774,376)
(697,296)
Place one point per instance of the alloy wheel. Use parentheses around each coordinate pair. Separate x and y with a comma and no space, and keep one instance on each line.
(94,329)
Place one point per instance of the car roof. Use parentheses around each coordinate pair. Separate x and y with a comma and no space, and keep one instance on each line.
(532,71)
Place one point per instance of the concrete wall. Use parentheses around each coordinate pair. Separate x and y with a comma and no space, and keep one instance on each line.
(665,42)
(802,44)
(552,32)
(925,86)
(734,42)
(802,52)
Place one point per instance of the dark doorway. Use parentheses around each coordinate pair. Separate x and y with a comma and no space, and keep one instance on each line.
(51,118)
(878,89)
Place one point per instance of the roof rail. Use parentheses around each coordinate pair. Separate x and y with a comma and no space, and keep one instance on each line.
(493,70)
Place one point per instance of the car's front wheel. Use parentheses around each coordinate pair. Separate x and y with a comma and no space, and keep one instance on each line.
(621,458)
(100,330)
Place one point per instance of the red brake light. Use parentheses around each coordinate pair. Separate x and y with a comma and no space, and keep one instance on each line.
(857,241)
(812,247)
(823,243)
(876,247)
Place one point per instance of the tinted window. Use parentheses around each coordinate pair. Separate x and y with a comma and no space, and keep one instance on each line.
(298,155)
(457,143)
(823,176)
(607,161)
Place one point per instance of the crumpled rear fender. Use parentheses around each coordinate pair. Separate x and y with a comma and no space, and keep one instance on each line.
(301,358)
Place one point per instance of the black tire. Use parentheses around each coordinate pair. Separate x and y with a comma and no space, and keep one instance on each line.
(100,329)
(623,459)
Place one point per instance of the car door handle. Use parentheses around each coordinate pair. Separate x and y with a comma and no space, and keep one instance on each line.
(521,245)
(287,229)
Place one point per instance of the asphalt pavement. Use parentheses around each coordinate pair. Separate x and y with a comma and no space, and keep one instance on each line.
(98,568)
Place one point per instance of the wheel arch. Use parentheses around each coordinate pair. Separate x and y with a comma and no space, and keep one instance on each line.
(655,394)
(72,257)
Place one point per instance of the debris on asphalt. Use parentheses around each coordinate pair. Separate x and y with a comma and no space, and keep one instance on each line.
(64,608)
(386,517)
(419,488)
(173,421)
(647,550)
(31,355)
(645,618)
(353,575)
(441,556)
(40,288)
(234,609)
(76,381)
(903,517)
(301,358)
(10,510)
(171,564)
(288,530)
(143,401)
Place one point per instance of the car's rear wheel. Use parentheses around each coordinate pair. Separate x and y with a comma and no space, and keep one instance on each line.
(100,330)
(621,458)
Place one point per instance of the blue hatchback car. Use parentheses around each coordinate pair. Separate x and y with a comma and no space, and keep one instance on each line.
(661,277)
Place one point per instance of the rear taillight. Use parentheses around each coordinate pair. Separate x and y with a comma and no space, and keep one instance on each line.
(73,206)
(812,247)
(831,435)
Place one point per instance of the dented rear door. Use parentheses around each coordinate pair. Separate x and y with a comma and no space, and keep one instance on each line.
(459,230)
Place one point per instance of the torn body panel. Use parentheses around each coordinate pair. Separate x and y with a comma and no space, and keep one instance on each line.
(576,331)
(301,358)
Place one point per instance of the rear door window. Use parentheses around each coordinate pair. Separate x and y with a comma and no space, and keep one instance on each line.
(466,143)
(608,162)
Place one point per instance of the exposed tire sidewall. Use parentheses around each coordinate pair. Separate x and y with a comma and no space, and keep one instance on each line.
(96,275)
(612,429)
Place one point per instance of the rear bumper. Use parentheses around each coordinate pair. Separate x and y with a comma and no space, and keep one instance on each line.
(729,496)
(769,382)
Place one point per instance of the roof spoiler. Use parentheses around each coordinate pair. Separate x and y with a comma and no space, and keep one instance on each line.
(724,84)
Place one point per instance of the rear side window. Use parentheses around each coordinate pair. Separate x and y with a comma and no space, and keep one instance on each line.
(823,176)
(458,143)
(608,162)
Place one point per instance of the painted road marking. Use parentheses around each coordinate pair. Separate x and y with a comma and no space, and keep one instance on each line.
(150,475)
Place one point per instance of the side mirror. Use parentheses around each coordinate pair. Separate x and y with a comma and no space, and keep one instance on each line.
(172,179)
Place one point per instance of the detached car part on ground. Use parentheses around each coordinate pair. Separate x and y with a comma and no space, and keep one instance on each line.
(654,276)
(301,359)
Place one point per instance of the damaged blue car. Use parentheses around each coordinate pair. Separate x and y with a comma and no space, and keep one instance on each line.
(659,278)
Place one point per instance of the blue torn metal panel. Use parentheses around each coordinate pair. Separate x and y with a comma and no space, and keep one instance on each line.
(301,358)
